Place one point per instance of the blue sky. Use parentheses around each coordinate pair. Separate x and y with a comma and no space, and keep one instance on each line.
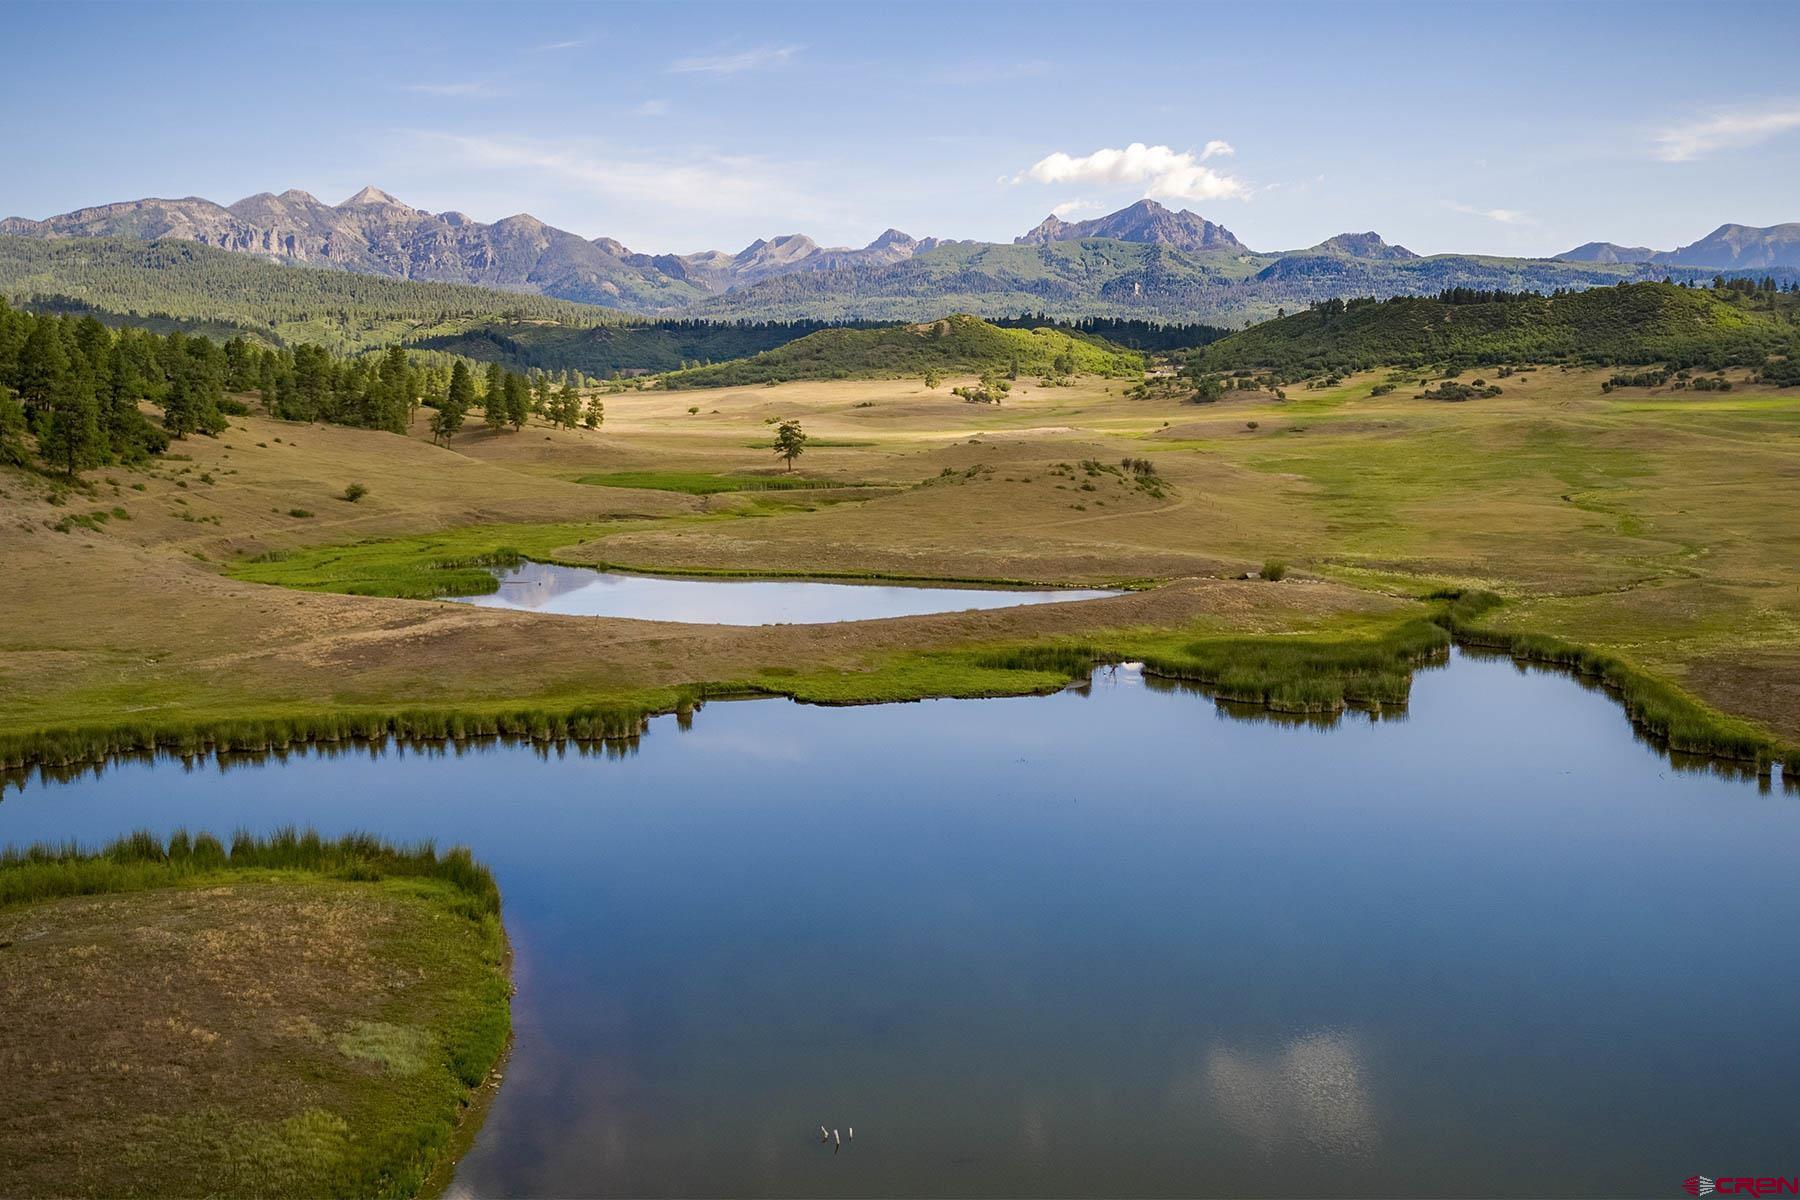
(1499,128)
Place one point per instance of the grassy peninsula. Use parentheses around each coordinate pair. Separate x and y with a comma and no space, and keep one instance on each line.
(281,1016)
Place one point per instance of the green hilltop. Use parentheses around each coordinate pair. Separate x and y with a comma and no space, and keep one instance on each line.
(958,344)
(1631,323)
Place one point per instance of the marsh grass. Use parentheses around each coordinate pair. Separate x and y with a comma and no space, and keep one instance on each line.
(142,860)
(1308,674)
(582,723)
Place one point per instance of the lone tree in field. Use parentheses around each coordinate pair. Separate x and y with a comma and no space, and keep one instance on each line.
(790,442)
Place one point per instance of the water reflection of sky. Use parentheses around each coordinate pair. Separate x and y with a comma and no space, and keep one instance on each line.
(1308,1095)
(582,592)
(1111,942)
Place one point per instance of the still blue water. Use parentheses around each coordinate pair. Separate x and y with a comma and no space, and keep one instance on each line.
(584,592)
(1105,943)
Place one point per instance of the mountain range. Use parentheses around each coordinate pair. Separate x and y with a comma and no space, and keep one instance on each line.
(1727,248)
(1144,260)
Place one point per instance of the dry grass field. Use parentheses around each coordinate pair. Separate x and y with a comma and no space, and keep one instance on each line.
(1661,528)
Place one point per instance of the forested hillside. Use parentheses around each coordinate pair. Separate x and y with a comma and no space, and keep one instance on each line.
(175,284)
(1740,322)
(72,390)
(624,348)
(957,344)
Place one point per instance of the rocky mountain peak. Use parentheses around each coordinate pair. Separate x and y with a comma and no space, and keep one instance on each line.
(1144,221)
(373,195)
(1364,245)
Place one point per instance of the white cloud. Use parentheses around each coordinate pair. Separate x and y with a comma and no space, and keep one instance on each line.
(460,88)
(744,60)
(1069,208)
(1217,149)
(1165,174)
(1506,216)
(1725,131)
(568,45)
(652,108)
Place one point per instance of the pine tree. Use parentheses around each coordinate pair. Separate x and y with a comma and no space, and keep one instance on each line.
(568,406)
(13,452)
(43,367)
(596,412)
(446,422)
(396,392)
(462,387)
(518,400)
(179,408)
(495,397)
(69,433)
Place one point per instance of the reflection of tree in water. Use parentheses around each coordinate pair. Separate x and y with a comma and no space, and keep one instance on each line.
(1313,1090)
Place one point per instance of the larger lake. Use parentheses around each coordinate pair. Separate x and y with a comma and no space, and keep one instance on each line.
(1107,943)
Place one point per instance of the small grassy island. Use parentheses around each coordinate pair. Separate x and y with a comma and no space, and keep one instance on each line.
(286,1016)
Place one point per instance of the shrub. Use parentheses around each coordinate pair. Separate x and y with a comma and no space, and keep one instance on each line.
(1274,570)
(354,492)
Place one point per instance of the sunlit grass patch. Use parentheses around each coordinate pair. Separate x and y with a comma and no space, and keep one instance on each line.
(707,483)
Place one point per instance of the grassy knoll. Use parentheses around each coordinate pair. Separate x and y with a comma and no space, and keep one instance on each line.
(957,344)
(276,1017)
(1631,323)
(1656,527)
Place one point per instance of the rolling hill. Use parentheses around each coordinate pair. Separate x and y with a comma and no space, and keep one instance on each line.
(1631,323)
(958,344)
(169,284)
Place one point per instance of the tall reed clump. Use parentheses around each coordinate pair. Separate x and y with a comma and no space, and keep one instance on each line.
(1071,661)
(142,860)
(1656,706)
(1308,675)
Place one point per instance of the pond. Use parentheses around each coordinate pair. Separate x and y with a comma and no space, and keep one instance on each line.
(585,592)
(1110,941)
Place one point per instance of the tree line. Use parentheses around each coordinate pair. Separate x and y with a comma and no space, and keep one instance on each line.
(71,390)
